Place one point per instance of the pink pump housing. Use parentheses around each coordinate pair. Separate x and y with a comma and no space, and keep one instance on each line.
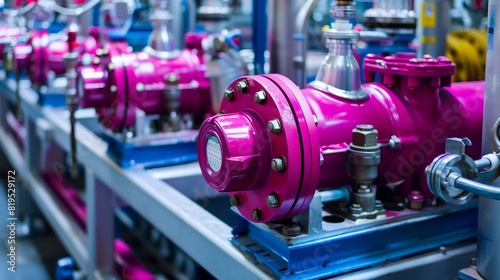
(414,108)
(40,55)
(124,81)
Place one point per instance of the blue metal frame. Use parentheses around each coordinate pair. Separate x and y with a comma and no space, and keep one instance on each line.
(127,154)
(259,36)
(326,257)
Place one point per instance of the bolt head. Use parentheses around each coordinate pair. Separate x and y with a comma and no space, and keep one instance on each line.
(113,89)
(235,200)
(272,200)
(229,94)
(260,97)
(364,136)
(139,87)
(172,79)
(96,60)
(111,67)
(257,215)
(274,126)
(242,86)
(278,164)
(290,229)
(99,52)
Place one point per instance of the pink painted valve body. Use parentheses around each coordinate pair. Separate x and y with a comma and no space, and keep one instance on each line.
(276,139)
(124,81)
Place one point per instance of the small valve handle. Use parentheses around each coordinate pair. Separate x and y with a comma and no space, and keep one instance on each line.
(72,44)
(17,3)
(79,2)
(456,145)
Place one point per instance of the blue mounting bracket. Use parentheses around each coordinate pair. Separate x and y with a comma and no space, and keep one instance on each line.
(165,149)
(354,249)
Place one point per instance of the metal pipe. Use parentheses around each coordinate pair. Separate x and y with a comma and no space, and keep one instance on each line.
(482,163)
(335,194)
(19,12)
(280,35)
(192,14)
(259,37)
(300,37)
(69,11)
(489,227)
(178,27)
(459,182)
(432,23)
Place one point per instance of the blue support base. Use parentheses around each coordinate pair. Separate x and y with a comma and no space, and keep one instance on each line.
(51,99)
(65,269)
(153,155)
(354,250)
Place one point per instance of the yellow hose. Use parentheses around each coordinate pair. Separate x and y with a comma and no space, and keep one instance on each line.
(467,49)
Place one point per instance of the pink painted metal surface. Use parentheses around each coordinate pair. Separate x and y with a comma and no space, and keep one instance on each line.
(414,102)
(127,265)
(22,51)
(124,81)
(48,53)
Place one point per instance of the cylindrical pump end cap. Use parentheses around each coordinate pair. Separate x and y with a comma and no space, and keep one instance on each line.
(228,153)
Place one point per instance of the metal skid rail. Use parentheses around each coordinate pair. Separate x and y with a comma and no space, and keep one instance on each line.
(196,231)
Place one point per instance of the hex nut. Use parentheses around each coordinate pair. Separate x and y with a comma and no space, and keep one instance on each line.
(235,200)
(290,229)
(242,86)
(257,215)
(274,126)
(278,164)
(229,94)
(364,136)
(356,209)
(260,97)
(272,200)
